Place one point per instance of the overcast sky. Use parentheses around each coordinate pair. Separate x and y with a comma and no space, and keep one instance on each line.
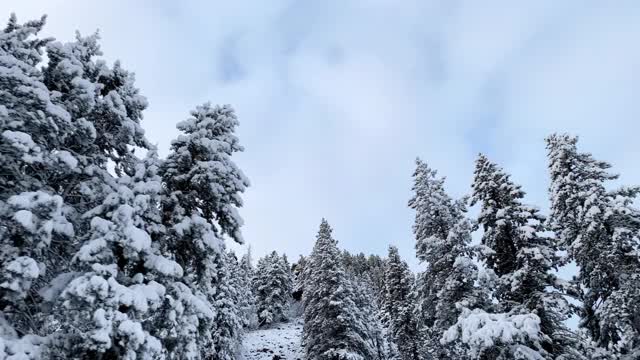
(337,98)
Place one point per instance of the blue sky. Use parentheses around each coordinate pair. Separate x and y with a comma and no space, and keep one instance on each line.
(337,98)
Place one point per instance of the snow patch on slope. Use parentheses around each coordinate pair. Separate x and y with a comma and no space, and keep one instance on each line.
(281,341)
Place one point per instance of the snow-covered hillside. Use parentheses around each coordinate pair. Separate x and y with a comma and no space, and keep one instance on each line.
(281,341)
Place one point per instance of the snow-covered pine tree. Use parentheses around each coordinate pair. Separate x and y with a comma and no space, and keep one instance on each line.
(29,119)
(398,306)
(105,105)
(241,282)
(48,147)
(272,287)
(286,267)
(228,313)
(33,217)
(200,172)
(246,261)
(445,253)
(464,288)
(106,110)
(523,258)
(369,316)
(299,270)
(600,230)
(202,186)
(368,268)
(376,275)
(109,308)
(366,276)
(332,329)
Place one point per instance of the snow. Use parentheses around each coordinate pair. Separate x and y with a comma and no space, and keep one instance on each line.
(20,140)
(23,142)
(55,287)
(163,265)
(25,266)
(133,332)
(30,207)
(66,158)
(481,330)
(12,347)
(139,239)
(25,218)
(283,339)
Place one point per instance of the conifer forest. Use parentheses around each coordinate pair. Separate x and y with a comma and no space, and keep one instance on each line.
(109,250)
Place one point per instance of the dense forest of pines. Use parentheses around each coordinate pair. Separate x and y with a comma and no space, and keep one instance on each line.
(105,254)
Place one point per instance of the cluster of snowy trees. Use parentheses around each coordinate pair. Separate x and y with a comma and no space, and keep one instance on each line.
(497,298)
(105,254)
(340,319)
(502,298)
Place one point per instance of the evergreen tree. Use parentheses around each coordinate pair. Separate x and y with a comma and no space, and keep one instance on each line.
(116,285)
(33,216)
(33,124)
(441,243)
(369,316)
(241,280)
(286,268)
(398,305)
(105,105)
(599,229)
(522,258)
(299,271)
(228,312)
(53,175)
(332,329)
(273,289)
(202,186)
(367,268)
(200,173)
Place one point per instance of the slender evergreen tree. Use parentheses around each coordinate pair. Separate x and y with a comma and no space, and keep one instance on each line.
(442,235)
(398,305)
(332,328)
(272,286)
(522,257)
(241,280)
(599,229)
(202,187)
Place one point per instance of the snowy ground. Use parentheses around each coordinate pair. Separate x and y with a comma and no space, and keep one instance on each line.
(282,341)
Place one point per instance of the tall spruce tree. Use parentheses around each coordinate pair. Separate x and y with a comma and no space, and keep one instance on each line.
(228,312)
(332,329)
(441,243)
(600,230)
(299,271)
(522,257)
(202,186)
(286,268)
(118,283)
(272,286)
(398,306)
(49,113)
(370,315)
(106,110)
(241,280)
